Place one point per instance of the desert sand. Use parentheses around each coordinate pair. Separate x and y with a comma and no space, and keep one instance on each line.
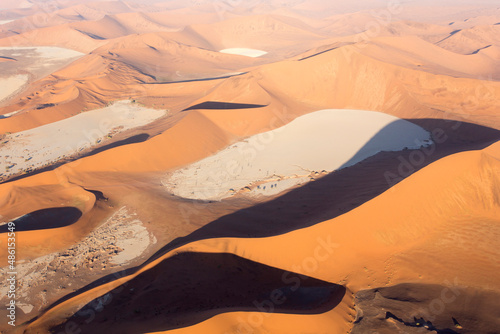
(250,167)
(385,250)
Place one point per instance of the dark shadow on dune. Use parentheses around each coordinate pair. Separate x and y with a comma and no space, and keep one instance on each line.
(99,195)
(8,58)
(325,51)
(45,219)
(450,35)
(480,49)
(194,80)
(390,132)
(209,105)
(132,140)
(415,308)
(45,105)
(93,36)
(192,287)
(328,197)
(341,191)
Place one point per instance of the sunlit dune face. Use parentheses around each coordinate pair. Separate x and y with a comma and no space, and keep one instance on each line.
(244,52)
(308,147)
(285,167)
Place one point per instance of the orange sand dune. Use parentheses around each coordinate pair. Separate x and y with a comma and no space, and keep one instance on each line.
(334,321)
(182,17)
(492,52)
(105,28)
(414,53)
(90,83)
(5,59)
(170,71)
(410,229)
(446,12)
(464,185)
(345,72)
(469,41)
(94,10)
(411,28)
(428,66)
(53,14)
(480,17)
(379,23)
(31,193)
(393,91)
(244,89)
(107,81)
(195,136)
(411,237)
(63,36)
(120,25)
(189,140)
(347,24)
(145,22)
(157,55)
(269,33)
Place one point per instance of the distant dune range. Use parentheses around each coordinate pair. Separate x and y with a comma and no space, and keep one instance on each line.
(379,235)
(396,90)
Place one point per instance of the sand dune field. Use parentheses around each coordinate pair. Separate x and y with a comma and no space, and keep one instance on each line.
(249,167)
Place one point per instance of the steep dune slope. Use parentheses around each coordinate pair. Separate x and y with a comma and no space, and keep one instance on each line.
(374,245)
(92,83)
(51,14)
(342,75)
(63,36)
(470,41)
(33,193)
(324,81)
(414,53)
(157,55)
(462,198)
(382,238)
(88,83)
(412,28)
(276,35)
(121,25)
(329,304)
